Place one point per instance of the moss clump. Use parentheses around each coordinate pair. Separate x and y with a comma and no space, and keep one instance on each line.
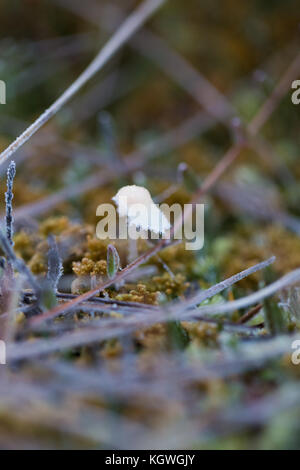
(111,350)
(286,247)
(89,274)
(96,249)
(241,256)
(38,264)
(54,225)
(24,245)
(178,259)
(139,294)
(87,266)
(170,286)
(153,338)
(202,333)
(23,192)
(71,240)
(250,247)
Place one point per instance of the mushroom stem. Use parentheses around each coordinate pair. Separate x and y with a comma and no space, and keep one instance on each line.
(132,250)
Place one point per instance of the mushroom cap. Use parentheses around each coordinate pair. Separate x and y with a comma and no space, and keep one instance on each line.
(135,203)
(129,195)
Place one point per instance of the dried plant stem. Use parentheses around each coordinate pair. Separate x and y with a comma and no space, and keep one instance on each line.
(11,172)
(250,314)
(81,298)
(127,325)
(127,29)
(216,289)
(270,105)
(181,307)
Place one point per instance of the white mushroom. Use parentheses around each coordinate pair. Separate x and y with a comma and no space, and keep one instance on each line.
(134,203)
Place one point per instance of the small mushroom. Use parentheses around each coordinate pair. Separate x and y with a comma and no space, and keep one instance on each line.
(141,214)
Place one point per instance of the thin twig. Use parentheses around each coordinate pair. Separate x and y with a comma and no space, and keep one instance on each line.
(216,289)
(134,21)
(269,106)
(182,306)
(11,172)
(128,325)
(250,314)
